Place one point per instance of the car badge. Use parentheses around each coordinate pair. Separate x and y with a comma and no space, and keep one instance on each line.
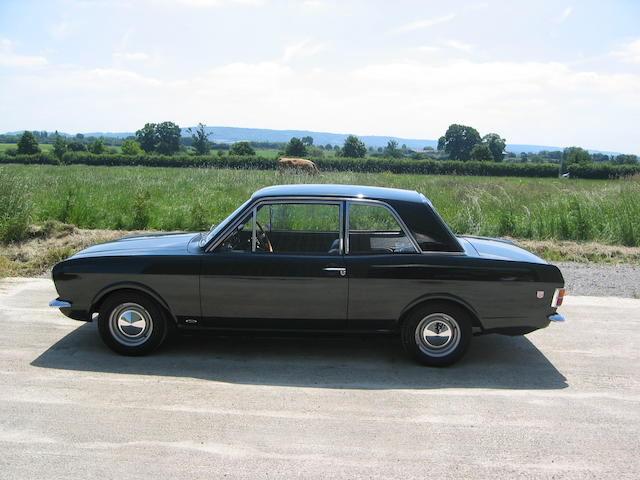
(540,294)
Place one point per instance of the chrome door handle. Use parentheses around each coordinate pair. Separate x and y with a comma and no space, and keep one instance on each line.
(341,270)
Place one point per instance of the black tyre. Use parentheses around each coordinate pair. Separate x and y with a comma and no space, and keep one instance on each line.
(131,323)
(437,334)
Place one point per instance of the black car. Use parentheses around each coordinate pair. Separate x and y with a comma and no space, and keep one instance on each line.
(314,258)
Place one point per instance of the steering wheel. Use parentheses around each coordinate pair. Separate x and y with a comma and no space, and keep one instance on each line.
(262,241)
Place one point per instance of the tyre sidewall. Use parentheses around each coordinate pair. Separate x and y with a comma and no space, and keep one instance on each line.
(158,318)
(408,331)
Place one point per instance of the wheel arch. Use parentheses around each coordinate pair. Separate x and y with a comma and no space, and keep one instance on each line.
(134,287)
(441,297)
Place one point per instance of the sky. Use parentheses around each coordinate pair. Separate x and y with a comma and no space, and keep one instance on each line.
(553,72)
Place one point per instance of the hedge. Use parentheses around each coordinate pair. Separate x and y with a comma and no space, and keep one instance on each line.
(368,165)
(35,159)
(602,170)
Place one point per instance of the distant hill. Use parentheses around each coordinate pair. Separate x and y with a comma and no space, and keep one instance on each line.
(236,134)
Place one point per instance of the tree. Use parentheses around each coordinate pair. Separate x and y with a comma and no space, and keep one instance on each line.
(308,141)
(391,150)
(201,141)
(28,145)
(295,148)
(147,137)
(328,147)
(59,146)
(168,134)
(459,140)
(481,153)
(131,147)
(353,147)
(441,143)
(97,147)
(623,159)
(315,152)
(242,149)
(496,145)
(574,155)
(77,147)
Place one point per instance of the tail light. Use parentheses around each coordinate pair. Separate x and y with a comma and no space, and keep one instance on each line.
(558,296)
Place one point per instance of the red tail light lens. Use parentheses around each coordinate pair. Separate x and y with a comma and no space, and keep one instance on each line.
(558,296)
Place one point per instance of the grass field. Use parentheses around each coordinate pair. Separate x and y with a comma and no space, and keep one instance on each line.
(45,147)
(174,199)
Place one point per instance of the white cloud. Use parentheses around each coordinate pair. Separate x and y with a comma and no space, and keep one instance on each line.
(302,49)
(210,3)
(527,102)
(420,24)
(476,6)
(629,52)
(10,59)
(314,5)
(427,49)
(59,30)
(133,56)
(564,15)
(109,78)
(463,47)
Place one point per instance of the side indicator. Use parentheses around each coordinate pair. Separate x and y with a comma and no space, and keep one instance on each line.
(558,296)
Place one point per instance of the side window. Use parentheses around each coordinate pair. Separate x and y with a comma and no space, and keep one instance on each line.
(240,239)
(374,230)
(299,228)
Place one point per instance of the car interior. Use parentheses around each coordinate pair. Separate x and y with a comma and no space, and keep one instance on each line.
(313,228)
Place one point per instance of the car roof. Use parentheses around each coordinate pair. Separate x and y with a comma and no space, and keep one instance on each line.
(348,191)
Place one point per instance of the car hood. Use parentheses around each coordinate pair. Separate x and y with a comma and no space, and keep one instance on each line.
(161,243)
(497,249)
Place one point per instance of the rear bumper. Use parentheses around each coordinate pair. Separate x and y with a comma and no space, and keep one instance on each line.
(535,323)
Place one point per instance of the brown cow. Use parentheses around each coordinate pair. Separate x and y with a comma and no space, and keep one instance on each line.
(298,164)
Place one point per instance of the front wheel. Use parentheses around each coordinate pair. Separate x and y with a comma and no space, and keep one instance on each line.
(131,324)
(437,334)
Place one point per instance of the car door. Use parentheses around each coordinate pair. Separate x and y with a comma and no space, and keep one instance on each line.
(383,265)
(281,267)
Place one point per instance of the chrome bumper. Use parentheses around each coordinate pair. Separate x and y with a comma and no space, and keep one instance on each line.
(556,318)
(59,304)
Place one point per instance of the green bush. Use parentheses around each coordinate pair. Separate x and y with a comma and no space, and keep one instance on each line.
(602,171)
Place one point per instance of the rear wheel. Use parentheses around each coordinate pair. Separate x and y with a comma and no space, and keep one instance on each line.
(437,334)
(131,323)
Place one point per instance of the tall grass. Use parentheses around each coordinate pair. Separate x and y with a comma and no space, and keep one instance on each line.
(15,206)
(176,199)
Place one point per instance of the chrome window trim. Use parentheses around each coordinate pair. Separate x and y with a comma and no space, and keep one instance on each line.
(343,224)
(394,214)
(253,208)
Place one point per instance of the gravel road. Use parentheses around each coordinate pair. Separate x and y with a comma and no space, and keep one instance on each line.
(601,280)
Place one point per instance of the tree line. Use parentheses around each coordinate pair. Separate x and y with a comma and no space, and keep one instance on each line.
(459,143)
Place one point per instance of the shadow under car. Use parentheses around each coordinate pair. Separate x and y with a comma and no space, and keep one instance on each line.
(363,362)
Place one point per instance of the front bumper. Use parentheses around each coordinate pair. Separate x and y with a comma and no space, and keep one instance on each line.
(66,308)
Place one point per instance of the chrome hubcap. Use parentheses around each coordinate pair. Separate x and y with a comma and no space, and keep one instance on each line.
(130,324)
(438,334)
